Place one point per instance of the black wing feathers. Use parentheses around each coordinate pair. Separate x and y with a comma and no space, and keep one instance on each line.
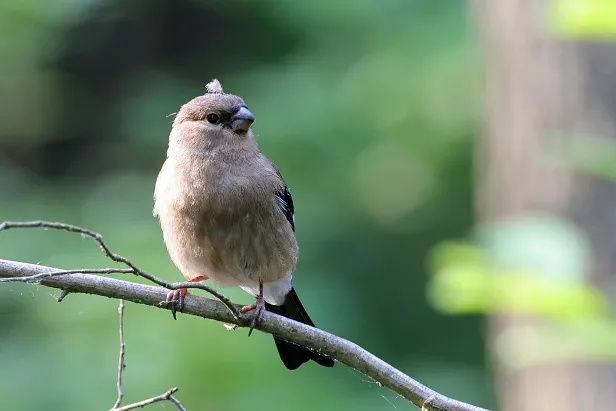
(285,202)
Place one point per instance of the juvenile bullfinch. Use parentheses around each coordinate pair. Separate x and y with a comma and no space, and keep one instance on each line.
(227,214)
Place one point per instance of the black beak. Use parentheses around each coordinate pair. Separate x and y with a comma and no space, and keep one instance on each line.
(242,120)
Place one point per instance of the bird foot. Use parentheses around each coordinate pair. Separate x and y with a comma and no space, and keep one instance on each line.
(175,300)
(258,307)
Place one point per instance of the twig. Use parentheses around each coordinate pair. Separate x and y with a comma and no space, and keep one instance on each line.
(122,366)
(167,396)
(62,295)
(177,403)
(35,278)
(338,348)
(121,362)
(119,259)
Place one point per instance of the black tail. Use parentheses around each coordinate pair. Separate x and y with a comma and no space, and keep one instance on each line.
(293,355)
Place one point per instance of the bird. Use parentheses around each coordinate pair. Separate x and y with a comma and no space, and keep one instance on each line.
(227,215)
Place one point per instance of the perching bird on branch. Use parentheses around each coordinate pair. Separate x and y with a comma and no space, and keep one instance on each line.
(227,214)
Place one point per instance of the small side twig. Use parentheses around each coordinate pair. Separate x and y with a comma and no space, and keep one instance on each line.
(114,257)
(167,396)
(38,277)
(177,403)
(121,361)
(62,295)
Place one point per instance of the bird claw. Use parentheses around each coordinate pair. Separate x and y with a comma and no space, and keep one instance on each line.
(175,300)
(258,307)
(256,318)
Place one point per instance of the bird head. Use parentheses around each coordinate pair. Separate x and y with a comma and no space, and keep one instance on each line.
(212,120)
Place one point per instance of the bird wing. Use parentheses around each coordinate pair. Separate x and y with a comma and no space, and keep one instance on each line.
(285,202)
(283,197)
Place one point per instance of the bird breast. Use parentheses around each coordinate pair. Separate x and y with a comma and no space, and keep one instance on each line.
(224,224)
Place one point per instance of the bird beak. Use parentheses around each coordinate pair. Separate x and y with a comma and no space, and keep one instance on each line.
(242,120)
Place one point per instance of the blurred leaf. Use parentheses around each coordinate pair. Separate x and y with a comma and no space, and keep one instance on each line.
(450,253)
(464,289)
(587,19)
(460,283)
(532,265)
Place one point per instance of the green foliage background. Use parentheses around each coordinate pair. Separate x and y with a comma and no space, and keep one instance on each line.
(368,108)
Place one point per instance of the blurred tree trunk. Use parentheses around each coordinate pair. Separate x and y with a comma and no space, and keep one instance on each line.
(537,86)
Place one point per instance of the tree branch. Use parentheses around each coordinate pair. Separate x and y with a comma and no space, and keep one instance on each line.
(340,349)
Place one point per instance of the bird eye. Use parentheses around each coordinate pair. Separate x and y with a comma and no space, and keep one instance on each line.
(213,118)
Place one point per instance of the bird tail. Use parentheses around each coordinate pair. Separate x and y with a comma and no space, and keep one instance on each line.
(293,355)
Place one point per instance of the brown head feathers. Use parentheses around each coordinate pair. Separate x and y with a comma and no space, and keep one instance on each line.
(214,101)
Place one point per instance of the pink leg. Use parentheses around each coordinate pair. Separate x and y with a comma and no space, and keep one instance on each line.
(175,298)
